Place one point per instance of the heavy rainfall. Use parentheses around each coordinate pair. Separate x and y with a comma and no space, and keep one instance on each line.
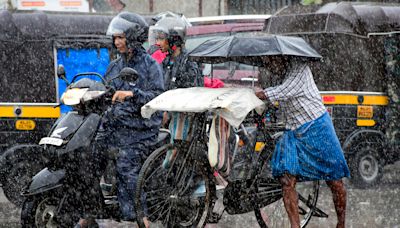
(183,113)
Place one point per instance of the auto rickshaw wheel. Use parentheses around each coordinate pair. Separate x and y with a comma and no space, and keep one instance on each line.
(366,166)
(22,163)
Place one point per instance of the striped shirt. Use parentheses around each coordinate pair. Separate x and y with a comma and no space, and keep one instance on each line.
(298,97)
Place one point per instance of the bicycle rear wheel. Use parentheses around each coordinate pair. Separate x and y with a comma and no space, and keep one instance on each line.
(176,195)
(274,214)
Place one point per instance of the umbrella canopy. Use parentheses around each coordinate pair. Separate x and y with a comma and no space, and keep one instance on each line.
(247,49)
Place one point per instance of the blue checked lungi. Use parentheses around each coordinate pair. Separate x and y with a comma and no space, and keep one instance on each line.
(311,152)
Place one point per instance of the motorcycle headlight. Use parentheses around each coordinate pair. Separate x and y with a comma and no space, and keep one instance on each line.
(73,96)
(90,95)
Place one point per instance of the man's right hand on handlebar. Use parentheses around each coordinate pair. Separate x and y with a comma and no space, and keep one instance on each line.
(120,96)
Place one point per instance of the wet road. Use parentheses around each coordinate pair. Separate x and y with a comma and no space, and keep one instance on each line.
(374,207)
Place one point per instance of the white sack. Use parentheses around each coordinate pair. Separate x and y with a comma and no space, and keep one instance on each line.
(233,104)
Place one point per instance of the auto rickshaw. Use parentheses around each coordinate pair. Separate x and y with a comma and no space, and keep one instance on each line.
(32,45)
(359,77)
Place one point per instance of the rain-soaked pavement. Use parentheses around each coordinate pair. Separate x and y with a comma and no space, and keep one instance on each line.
(374,207)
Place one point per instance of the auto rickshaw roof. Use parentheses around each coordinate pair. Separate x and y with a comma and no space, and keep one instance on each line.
(27,44)
(38,25)
(360,18)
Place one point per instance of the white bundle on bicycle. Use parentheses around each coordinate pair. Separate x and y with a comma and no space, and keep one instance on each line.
(232,104)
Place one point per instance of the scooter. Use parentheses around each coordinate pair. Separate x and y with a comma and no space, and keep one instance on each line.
(52,198)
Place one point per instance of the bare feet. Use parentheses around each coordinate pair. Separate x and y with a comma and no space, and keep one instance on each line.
(81,224)
(290,199)
(146,222)
(339,199)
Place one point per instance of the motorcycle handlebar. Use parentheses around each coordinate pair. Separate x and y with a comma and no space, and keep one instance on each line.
(88,74)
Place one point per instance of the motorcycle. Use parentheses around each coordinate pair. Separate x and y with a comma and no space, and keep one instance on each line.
(53,197)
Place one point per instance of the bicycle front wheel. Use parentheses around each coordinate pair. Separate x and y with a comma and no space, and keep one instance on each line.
(175,192)
(274,214)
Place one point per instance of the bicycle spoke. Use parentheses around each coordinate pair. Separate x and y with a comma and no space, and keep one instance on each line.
(185,182)
(163,189)
(169,216)
(166,219)
(270,190)
(183,166)
(155,198)
(262,195)
(151,176)
(161,215)
(163,172)
(158,209)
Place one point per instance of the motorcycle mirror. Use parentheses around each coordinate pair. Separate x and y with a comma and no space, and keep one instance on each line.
(60,70)
(61,73)
(128,74)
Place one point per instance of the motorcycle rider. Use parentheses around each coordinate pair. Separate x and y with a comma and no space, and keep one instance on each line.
(122,126)
(169,34)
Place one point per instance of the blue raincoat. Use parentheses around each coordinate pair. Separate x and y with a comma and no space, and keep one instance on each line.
(123,126)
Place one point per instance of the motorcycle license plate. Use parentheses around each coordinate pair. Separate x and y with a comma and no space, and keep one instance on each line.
(51,141)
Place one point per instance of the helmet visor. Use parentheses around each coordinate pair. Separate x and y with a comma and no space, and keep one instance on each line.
(157,33)
(119,25)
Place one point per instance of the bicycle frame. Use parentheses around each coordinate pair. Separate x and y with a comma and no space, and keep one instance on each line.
(244,188)
(198,145)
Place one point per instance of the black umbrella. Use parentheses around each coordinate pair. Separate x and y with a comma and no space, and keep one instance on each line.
(249,49)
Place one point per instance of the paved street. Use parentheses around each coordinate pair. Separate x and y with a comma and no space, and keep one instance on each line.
(377,207)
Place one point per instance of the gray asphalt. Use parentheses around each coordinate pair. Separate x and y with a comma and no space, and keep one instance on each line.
(374,207)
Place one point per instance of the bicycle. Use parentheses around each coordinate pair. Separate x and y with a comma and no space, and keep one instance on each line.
(183,193)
